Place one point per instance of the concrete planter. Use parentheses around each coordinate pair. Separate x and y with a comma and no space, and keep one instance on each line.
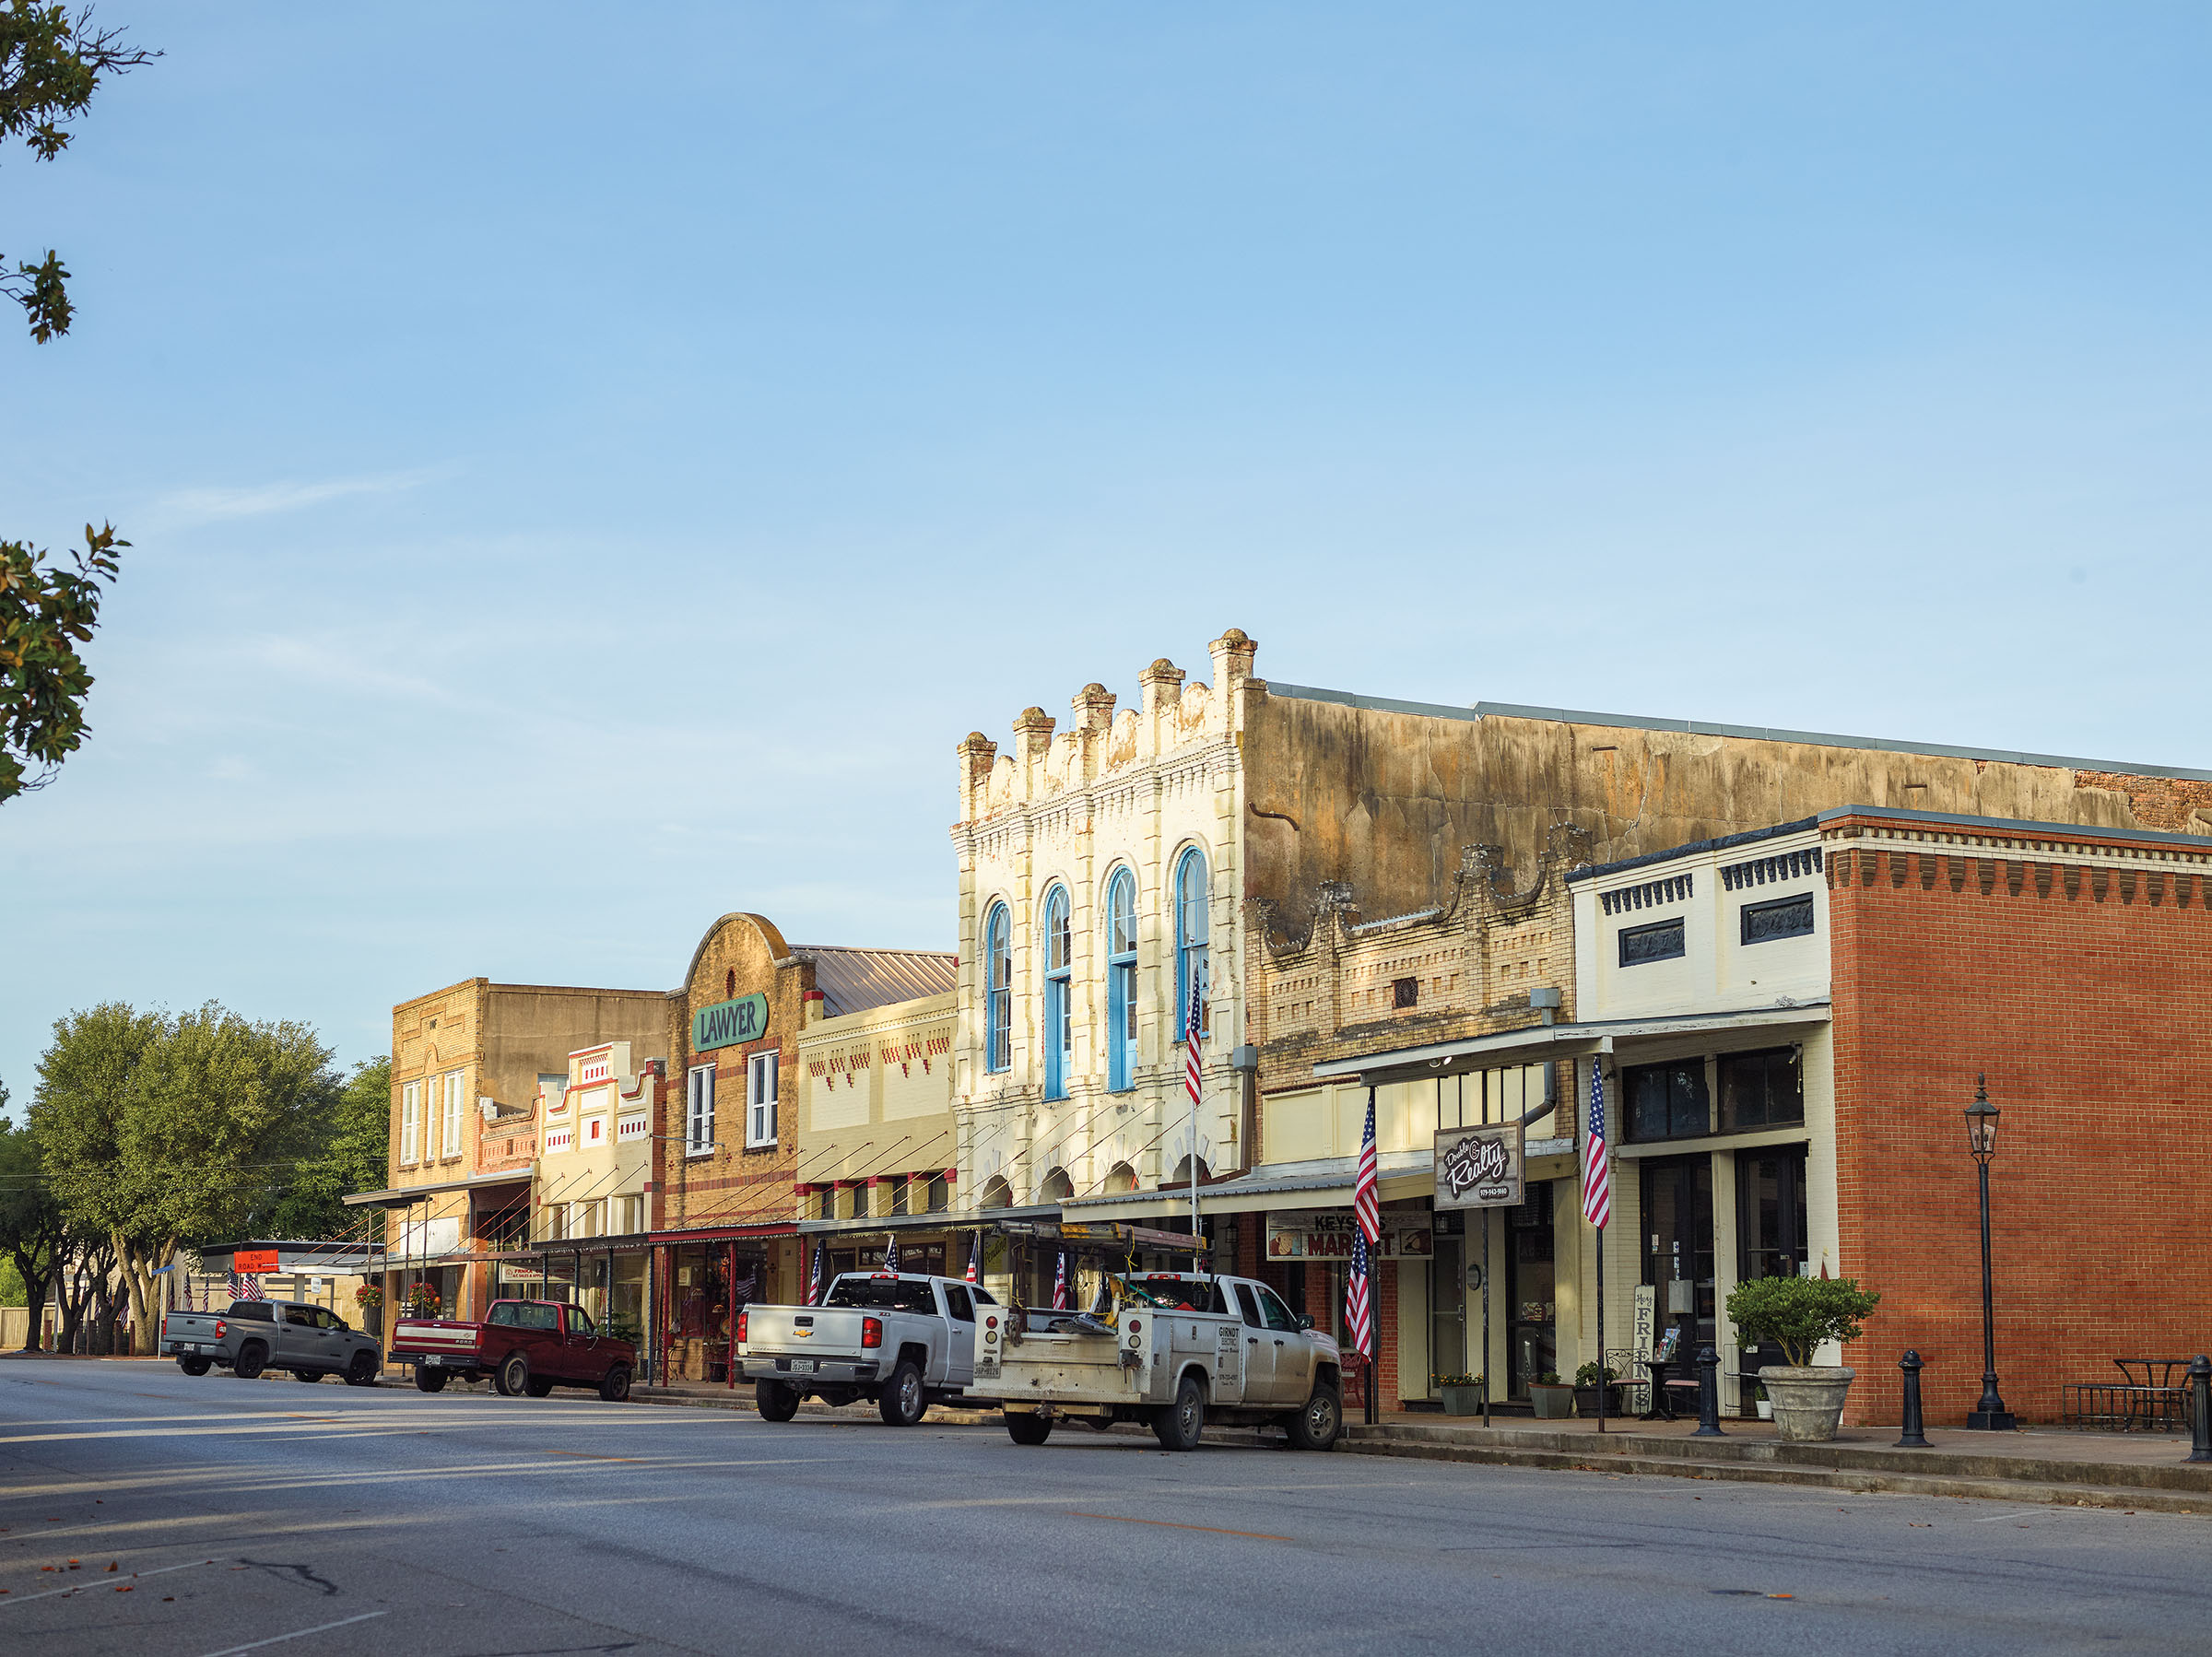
(1551,1403)
(1462,1401)
(1808,1402)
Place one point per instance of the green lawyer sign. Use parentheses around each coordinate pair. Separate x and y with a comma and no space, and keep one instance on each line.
(726,1023)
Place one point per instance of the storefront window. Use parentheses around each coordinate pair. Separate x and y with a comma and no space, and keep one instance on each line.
(1760,1090)
(1666,1101)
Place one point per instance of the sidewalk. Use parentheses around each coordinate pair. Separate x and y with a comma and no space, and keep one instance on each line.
(2036,1464)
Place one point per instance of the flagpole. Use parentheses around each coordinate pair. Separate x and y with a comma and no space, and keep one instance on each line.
(1601,1329)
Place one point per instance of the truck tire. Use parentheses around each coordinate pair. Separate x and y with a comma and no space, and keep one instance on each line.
(308,1375)
(361,1371)
(775,1399)
(1028,1428)
(428,1381)
(1178,1425)
(1316,1425)
(903,1401)
(513,1378)
(252,1358)
(613,1386)
(539,1389)
(192,1363)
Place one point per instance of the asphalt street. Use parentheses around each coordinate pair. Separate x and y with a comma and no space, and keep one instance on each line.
(261,1516)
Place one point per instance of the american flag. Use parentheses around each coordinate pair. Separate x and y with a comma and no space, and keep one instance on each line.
(814,1284)
(1059,1300)
(1367,1207)
(1193,1083)
(975,1262)
(1597,1178)
(245,1286)
(891,1253)
(1358,1321)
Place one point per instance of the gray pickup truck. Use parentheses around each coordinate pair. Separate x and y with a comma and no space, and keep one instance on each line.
(254,1336)
(903,1339)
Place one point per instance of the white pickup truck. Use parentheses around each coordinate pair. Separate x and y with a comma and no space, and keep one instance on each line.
(903,1339)
(1172,1349)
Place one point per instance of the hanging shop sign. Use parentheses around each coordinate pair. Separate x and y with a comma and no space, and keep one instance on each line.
(726,1023)
(1479,1167)
(1326,1234)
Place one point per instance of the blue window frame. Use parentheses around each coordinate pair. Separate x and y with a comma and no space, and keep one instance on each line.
(1121,981)
(1190,959)
(1059,1021)
(998,985)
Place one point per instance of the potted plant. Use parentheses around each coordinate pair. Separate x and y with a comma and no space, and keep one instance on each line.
(1553,1401)
(1585,1390)
(1761,1403)
(370,1298)
(1461,1393)
(1801,1315)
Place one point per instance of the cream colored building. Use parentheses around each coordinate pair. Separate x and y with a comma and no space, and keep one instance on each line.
(1100,868)
(877,1138)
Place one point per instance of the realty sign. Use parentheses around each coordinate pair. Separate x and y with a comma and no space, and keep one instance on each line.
(1479,1167)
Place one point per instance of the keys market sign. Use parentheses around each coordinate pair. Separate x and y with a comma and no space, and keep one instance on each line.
(1479,1167)
(726,1023)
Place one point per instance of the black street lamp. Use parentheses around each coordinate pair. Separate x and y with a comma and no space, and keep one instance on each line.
(1990,1415)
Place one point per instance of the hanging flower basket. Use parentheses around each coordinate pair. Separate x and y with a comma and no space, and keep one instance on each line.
(369,1296)
(423,1302)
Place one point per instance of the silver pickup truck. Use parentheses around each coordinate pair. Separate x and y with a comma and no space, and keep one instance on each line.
(254,1336)
(903,1339)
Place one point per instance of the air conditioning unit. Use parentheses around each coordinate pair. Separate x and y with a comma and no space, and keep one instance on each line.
(490,1107)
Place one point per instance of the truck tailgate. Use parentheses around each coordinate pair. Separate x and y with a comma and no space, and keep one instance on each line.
(805,1331)
(435,1334)
(190,1326)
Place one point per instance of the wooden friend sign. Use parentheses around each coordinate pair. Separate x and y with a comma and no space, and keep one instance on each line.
(1479,1167)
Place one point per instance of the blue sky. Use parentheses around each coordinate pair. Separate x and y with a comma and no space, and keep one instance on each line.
(588,467)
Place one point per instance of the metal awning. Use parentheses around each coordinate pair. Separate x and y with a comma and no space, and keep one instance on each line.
(1306,1184)
(318,1259)
(967,1220)
(401,1195)
(1558,1041)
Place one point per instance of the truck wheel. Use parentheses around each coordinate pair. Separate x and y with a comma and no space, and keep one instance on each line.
(1178,1425)
(1028,1428)
(1316,1425)
(613,1386)
(193,1364)
(308,1375)
(902,1402)
(361,1371)
(252,1356)
(428,1381)
(539,1389)
(775,1401)
(513,1378)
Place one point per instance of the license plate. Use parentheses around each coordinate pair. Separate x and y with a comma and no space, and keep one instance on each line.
(802,1366)
(431,1358)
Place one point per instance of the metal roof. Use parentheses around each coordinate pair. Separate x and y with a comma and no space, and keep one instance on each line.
(1561,1040)
(852,980)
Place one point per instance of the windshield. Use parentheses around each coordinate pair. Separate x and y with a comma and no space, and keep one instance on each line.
(1175,1293)
(883,1294)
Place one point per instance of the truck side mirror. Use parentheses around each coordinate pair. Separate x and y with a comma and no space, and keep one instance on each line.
(1305,1320)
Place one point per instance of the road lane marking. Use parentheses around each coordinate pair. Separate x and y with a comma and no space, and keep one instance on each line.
(78,1587)
(276,1640)
(1211,1530)
(586,1455)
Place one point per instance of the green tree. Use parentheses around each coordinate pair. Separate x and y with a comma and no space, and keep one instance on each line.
(51,64)
(33,1234)
(353,1155)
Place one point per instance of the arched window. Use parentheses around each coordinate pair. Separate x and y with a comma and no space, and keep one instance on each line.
(1059,1020)
(1192,965)
(1121,981)
(1119,1178)
(997,1194)
(1057,1187)
(998,987)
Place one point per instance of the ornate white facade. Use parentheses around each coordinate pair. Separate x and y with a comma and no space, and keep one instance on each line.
(1130,792)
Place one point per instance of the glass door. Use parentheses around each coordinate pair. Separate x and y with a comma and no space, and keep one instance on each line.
(1773,1239)
(1678,1258)
(1448,1308)
(1531,1335)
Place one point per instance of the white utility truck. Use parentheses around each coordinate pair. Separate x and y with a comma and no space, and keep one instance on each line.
(1172,1349)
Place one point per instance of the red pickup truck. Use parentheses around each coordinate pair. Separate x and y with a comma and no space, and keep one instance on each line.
(524,1345)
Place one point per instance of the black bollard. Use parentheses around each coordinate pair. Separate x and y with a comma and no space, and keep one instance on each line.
(1915,1437)
(1709,1394)
(2200,1398)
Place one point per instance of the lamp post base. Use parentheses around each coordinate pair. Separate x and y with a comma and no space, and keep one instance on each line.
(1992,1421)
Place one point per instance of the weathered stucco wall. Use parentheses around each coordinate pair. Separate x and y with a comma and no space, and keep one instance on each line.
(1385,800)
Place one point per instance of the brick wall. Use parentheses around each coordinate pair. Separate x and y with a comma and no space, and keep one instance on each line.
(2076,971)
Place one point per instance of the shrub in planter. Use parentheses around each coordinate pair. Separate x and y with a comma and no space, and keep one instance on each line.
(1800,1315)
(1553,1402)
(1585,1389)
